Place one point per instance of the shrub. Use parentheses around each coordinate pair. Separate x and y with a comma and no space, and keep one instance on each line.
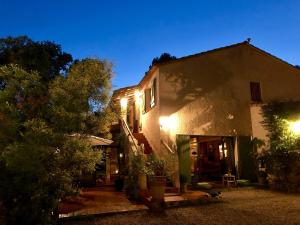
(282,157)
(131,182)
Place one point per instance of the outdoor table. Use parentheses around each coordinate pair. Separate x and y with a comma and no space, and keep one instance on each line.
(228,179)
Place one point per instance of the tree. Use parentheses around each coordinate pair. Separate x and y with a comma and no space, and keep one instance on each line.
(39,158)
(47,58)
(164,57)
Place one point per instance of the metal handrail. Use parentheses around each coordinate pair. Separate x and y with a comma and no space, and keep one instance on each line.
(124,124)
(167,147)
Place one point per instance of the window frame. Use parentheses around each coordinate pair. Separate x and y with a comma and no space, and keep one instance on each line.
(149,97)
(255,91)
(153,93)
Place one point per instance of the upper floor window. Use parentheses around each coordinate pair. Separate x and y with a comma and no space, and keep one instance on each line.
(255,90)
(146,100)
(149,97)
(153,93)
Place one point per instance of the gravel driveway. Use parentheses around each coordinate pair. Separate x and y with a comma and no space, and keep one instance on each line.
(243,206)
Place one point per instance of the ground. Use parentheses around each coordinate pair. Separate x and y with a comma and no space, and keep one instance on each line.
(243,206)
(97,201)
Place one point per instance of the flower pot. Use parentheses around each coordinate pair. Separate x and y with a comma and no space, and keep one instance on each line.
(142,181)
(262,180)
(157,188)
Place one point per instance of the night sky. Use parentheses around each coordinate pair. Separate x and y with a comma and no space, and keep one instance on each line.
(130,33)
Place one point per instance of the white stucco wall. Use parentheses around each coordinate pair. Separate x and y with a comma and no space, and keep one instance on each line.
(210,95)
(258,130)
(150,119)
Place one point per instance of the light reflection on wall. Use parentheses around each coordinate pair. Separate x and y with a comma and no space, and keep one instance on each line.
(123,103)
(295,127)
(168,123)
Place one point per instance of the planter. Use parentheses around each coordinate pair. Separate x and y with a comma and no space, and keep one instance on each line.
(157,188)
(143,182)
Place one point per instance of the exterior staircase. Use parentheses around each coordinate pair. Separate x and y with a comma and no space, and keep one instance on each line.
(140,137)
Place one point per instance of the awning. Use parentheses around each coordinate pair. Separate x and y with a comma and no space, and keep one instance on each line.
(94,140)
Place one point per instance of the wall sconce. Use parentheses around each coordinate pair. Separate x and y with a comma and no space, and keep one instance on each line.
(295,127)
(164,122)
(138,97)
(123,103)
(168,122)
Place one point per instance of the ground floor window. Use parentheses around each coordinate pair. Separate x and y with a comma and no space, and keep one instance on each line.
(205,157)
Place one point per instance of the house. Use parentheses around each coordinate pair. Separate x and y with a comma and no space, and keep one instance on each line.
(201,111)
(107,167)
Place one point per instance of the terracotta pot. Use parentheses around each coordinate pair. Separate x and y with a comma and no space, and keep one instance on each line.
(143,182)
(262,180)
(157,188)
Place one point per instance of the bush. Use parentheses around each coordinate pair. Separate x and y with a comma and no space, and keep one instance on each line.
(155,166)
(282,158)
(40,158)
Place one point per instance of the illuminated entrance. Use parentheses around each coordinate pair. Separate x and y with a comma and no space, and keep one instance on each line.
(205,158)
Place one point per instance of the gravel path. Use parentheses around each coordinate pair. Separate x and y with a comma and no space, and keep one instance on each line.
(244,206)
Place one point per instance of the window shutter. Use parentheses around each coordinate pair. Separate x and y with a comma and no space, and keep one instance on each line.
(255,91)
(153,94)
(148,99)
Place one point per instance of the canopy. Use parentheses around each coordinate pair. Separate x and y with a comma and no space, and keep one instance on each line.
(94,140)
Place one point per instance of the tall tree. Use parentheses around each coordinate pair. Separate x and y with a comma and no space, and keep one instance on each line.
(39,157)
(164,57)
(47,58)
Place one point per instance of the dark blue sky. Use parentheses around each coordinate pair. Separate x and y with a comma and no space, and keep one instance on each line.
(131,32)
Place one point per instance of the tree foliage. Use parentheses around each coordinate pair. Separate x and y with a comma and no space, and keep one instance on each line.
(47,58)
(164,57)
(40,160)
(78,101)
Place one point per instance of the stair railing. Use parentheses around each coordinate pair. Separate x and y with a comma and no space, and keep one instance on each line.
(129,134)
(167,147)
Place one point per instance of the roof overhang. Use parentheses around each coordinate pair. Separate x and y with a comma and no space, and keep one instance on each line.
(94,140)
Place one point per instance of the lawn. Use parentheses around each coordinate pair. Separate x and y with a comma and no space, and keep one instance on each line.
(244,206)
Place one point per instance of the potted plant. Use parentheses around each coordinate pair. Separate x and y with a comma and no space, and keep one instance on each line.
(183,183)
(155,169)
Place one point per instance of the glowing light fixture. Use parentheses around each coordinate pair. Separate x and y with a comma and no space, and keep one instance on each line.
(121,155)
(167,122)
(295,127)
(123,103)
(164,122)
(137,96)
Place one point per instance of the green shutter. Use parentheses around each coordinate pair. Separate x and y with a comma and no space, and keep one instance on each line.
(246,162)
(183,147)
